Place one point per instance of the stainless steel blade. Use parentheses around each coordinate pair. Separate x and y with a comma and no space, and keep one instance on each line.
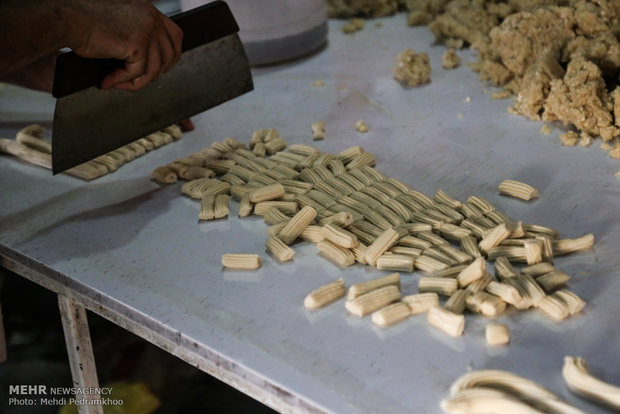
(93,122)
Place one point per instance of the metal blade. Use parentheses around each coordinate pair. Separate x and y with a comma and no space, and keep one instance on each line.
(93,122)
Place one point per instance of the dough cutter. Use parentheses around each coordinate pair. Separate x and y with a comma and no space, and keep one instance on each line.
(89,121)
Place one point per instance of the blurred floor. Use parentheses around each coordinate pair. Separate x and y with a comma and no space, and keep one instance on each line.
(37,355)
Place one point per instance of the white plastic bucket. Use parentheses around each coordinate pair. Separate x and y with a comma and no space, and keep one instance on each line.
(276,30)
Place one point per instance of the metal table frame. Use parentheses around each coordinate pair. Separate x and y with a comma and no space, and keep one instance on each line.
(73,305)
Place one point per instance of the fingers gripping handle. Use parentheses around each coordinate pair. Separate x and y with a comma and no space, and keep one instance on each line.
(200,25)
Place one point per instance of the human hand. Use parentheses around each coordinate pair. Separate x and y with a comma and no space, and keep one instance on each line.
(187,124)
(130,30)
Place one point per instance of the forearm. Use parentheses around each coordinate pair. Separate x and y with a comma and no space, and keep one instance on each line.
(29,30)
(38,75)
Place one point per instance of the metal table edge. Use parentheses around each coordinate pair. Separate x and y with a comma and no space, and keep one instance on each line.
(183,347)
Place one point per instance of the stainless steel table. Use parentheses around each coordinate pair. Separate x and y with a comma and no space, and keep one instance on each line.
(133,251)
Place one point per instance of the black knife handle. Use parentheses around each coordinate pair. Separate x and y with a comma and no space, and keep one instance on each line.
(200,25)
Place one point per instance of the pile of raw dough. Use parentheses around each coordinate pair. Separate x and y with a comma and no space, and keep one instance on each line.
(561,58)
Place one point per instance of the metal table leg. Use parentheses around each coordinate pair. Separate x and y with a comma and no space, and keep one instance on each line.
(80,350)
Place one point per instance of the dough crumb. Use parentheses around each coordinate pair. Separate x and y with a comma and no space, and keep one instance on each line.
(618,174)
(454,43)
(459,115)
(606,146)
(585,140)
(450,59)
(361,126)
(569,139)
(419,18)
(318,130)
(615,151)
(318,83)
(367,8)
(353,25)
(412,69)
(545,129)
(379,24)
(501,95)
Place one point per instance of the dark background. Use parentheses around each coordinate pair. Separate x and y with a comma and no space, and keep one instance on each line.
(36,355)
